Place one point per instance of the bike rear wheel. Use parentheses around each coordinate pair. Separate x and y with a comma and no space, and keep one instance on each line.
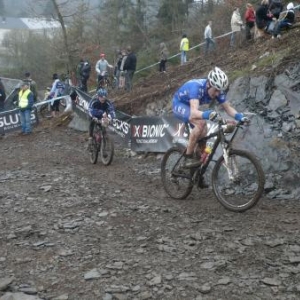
(107,150)
(239,186)
(94,150)
(176,180)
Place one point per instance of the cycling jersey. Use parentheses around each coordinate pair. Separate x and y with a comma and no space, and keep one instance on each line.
(97,109)
(193,89)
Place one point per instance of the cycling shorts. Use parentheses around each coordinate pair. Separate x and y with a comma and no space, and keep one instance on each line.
(181,110)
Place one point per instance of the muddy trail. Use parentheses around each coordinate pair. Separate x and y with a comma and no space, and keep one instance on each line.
(73,230)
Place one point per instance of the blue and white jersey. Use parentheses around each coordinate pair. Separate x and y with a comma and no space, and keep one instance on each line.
(57,89)
(196,89)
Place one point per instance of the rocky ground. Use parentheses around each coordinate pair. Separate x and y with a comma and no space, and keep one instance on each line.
(73,230)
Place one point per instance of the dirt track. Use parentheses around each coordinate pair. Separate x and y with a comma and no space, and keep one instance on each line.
(72,230)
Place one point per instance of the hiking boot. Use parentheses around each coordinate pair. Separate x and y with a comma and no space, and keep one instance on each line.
(202,184)
(190,162)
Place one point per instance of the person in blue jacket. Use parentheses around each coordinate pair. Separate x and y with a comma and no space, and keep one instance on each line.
(100,107)
(190,96)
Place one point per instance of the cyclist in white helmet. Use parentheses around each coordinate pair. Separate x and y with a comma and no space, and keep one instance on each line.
(201,92)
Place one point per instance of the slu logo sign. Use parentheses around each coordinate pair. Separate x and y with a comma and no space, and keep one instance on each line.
(10,120)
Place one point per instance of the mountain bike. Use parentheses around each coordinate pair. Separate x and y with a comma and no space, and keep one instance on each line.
(101,143)
(237,177)
(107,82)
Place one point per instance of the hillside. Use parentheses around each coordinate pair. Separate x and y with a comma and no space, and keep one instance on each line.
(237,62)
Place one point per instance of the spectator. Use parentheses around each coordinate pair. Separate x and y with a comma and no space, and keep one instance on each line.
(163,57)
(249,20)
(236,27)
(275,8)
(25,103)
(263,18)
(184,47)
(209,41)
(85,75)
(78,72)
(129,68)
(101,68)
(55,92)
(117,70)
(32,85)
(122,72)
(286,20)
(2,95)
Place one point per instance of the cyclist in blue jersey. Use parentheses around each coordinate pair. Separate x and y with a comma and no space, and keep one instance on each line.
(100,108)
(190,96)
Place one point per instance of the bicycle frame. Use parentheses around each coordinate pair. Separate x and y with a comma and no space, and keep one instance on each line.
(226,145)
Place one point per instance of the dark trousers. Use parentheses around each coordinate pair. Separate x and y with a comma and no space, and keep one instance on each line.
(162,65)
(209,43)
(83,85)
(249,26)
(128,80)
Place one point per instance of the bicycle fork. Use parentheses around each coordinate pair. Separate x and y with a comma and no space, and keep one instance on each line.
(230,164)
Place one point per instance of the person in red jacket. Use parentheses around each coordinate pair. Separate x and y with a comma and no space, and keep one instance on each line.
(250,20)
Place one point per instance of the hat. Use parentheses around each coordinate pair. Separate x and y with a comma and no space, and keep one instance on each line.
(27,74)
(290,6)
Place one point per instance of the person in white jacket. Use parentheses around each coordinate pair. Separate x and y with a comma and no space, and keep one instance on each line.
(209,38)
(236,27)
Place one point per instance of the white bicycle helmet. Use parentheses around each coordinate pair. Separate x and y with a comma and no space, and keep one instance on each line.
(218,79)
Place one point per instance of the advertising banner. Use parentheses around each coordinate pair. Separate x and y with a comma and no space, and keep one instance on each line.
(10,120)
(157,134)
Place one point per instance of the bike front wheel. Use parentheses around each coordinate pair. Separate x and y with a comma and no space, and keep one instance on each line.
(176,180)
(239,184)
(94,150)
(107,150)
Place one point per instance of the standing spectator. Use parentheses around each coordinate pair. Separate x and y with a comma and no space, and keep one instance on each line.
(184,47)
(25,103)
(236,27)
(2,95)
(209,37)
(129,68)
(263,18)
(117,69)
(286,20)
(122,72)
(163,57)
(101,67)
(85,75)
(250,20)
(32,85)
(78,73)
(55,92)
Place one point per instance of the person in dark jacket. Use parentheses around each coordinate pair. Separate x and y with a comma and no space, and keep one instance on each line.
(129,68)
(286,20)
(263,17)
(275,8)
(100,108)
(2,95)
(85,75)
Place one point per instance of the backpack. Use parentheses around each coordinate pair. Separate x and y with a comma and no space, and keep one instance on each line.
(86,69)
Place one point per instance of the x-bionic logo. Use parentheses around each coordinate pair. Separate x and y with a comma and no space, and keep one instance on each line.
(149,131)
(180,130)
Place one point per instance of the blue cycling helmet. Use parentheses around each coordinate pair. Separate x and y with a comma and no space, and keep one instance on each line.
(102,93)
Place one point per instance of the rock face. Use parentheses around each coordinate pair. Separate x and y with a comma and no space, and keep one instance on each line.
(74,230)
